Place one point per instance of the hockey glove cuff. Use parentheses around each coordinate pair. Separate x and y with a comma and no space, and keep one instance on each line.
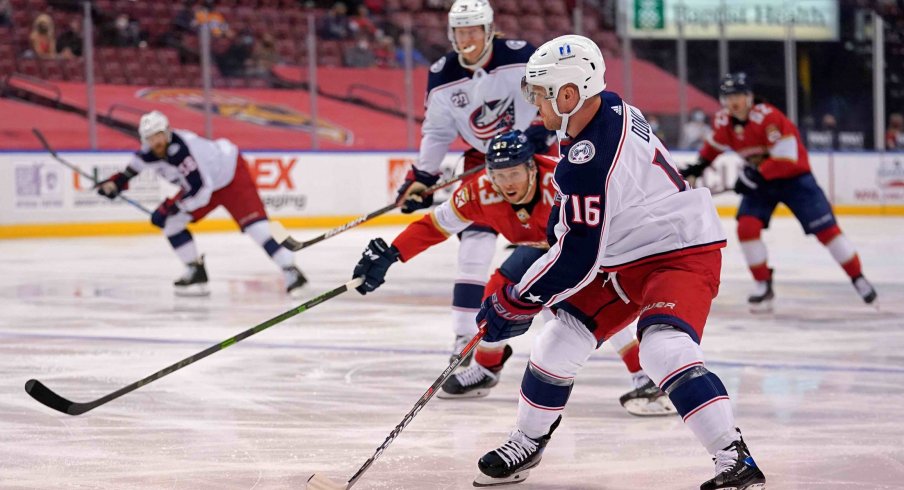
(505,315)
(749,180)
(416,182)
(166,209)
(114,185)
(375,261)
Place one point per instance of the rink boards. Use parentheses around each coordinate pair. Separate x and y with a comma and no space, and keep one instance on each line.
(41,197)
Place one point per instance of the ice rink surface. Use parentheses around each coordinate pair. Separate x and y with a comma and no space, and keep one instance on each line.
(818,386)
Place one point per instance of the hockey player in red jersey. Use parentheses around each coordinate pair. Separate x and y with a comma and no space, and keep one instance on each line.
(210,174)
(627,212)
(777,171)
(514,197)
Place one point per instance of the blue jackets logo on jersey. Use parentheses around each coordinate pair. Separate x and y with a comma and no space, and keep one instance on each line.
(581,152)
(493,117)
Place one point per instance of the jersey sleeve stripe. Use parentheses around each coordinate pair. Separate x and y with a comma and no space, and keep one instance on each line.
(438,226)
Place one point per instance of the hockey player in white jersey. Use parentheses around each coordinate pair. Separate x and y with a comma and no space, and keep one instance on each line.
(472,92)
(633,241)
(210,173)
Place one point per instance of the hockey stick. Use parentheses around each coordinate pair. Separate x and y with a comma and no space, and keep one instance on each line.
(281,235)
(47,397)
(320,482)
(81,172)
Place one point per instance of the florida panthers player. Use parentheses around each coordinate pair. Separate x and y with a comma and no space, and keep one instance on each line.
(777,170)
(625,210)
(514,197)
(210,174)
(472,92)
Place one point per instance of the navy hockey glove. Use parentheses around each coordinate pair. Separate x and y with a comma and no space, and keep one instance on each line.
(416,182)
(540,137)
(166,209)
(375,261)
(117,183)
(696,169)
(505,315)
(749,180)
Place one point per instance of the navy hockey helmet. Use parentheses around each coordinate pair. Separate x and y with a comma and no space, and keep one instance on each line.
(734,83)
(509,149)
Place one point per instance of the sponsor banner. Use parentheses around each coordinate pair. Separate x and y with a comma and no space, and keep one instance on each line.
(35,189)
(812,20)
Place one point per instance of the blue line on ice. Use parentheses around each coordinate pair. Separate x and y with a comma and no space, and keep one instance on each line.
(432,352)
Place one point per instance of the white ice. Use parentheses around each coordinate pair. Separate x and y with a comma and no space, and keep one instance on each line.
(817,386)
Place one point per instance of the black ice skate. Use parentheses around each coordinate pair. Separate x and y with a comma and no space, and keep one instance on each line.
(512,462)
(865,290)
(194,281)
(761,299)
(475,381)
(735,469)
(460,342)
(294,281)
(647,400)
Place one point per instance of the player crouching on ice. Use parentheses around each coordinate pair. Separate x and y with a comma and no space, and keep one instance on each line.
(211,174)
(514,196)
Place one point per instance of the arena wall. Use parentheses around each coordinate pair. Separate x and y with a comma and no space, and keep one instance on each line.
(39,197)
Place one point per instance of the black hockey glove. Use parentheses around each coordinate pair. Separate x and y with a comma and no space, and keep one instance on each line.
(416,182)
(749,181)
(375,261)
(505,315)
(540,137)
(166,209)
(117,183)
(695,170)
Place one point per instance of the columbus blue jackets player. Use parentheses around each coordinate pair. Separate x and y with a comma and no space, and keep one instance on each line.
(777,170)
(633,240)
(210,174)
(472,92)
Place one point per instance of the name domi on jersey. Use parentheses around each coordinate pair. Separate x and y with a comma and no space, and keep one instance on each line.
(480,104)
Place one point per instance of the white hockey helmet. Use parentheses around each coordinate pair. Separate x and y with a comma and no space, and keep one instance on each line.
(469,13)
(569,59)
(152,123)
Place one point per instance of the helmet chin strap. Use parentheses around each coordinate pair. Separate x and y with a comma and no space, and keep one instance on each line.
(562,131)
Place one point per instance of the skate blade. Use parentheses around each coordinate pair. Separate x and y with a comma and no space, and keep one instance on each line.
(487,481)
(320,482)
(643,407)
(762,308)
(194,290)
(478,393)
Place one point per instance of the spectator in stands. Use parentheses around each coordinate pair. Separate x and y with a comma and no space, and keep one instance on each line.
(655,127)
(695,131)
(384,51)
(263,56)
(6,13)
(376,6)
(829,125)
(124,33)
(335,24)
(232,61)
(416,56)
(41,38)
(207,13)
(894,136)
(362,23)
(359,55)
(70,41)
(184,20)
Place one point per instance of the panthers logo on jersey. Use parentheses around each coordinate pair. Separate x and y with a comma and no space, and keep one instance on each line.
(493,117)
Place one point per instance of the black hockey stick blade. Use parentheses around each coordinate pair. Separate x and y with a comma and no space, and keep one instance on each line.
(49,398)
